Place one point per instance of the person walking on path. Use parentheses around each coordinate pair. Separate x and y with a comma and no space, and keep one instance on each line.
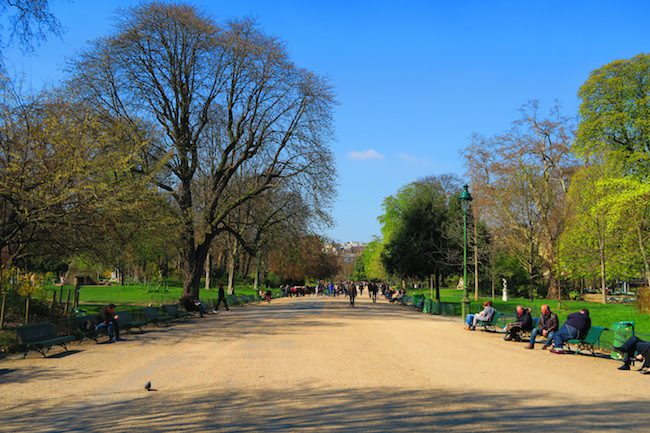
(352,292)
(222,298)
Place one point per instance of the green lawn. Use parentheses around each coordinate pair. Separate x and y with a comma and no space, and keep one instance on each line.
(138,294)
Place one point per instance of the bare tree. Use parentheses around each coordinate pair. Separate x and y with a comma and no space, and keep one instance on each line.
(223,102)
(520,181)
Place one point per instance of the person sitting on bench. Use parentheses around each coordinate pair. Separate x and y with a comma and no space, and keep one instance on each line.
(107,322)
(630,348)
(548,324)
(193,305)
(524,322)
(484,315)
(576,326)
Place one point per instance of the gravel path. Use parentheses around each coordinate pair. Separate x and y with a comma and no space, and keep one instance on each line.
(315,364)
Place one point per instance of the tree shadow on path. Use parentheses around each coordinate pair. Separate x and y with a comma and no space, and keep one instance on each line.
(329,410)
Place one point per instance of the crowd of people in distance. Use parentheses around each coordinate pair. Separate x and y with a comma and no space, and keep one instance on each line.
(576,326)
(349,289)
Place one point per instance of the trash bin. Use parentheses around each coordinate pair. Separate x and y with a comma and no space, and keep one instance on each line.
(622,331)
(427,306)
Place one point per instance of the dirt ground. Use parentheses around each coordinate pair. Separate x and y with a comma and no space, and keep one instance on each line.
(315,364)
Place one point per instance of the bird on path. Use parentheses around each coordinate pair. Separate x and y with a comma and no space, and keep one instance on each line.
(147,386)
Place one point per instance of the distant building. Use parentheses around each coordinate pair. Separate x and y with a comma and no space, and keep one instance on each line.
(346,254)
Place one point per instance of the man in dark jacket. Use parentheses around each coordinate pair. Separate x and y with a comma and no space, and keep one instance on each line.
(352,292)
(524,323)
(548,324)
(107,321)
(576,326)
(221,298)
(630,348)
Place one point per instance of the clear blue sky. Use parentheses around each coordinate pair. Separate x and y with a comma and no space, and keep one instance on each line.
(414,79)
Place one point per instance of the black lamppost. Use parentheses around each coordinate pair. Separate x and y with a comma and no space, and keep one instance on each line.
(465,201)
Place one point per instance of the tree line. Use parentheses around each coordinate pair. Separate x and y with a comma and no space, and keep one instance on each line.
(176,142)
(559,204)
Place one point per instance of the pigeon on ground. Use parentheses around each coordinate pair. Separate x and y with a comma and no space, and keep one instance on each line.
(147,386)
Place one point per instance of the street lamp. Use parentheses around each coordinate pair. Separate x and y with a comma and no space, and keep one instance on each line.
(465,201)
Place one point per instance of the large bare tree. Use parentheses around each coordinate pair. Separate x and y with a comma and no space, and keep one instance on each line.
(520,179)
(222,103)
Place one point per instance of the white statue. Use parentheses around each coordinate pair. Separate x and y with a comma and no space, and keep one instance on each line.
(504,295)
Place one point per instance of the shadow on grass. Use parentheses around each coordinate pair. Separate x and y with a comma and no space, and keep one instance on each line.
(329,410)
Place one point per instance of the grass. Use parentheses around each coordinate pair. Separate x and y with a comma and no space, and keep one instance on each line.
(92,297)
(601,314)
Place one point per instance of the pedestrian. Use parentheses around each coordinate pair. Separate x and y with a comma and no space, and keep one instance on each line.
(220,299)
(352,292)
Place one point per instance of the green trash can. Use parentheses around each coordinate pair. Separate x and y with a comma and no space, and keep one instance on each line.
(427,306)
(622,332)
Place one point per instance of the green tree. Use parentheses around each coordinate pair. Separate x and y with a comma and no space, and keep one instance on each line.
(615,112)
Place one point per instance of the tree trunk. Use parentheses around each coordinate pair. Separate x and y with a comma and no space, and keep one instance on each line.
(437,281)
(603,276)
(475,258)
(232,254)
(208,271)
(646,263)
(258,259)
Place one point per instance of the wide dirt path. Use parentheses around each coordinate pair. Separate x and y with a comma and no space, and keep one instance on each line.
(314,364)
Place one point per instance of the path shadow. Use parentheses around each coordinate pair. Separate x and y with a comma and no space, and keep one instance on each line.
(330,410)
(64,354)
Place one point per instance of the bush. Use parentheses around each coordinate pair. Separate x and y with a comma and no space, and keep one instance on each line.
(643,300)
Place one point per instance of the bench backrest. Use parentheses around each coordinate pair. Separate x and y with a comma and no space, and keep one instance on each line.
(151,313)
(594,334)
(172,310)
(84,323)
(30,333)
(124,317)
(493,319)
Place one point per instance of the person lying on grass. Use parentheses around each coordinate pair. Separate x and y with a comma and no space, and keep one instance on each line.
(630,348)
(576,326)
(484,315)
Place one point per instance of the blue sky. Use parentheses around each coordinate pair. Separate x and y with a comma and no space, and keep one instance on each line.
(414,79)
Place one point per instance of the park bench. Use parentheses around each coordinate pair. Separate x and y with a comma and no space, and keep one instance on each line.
(490,325)
(526,333)
(41,338)
(128,322)
(153,316)
(84,327)
(589,341)
(175,312)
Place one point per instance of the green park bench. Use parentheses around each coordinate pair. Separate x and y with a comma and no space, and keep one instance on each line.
(128,322)
(175,312)
(41,337)
(591,340)
(490,325)
(153,316)
(84,327)
(525,334)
